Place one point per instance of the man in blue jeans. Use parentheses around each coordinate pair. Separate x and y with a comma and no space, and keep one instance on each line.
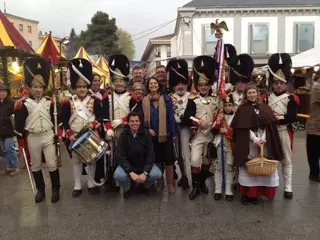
(135,156)
(7,131)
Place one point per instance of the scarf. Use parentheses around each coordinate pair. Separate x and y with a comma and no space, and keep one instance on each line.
(146,101)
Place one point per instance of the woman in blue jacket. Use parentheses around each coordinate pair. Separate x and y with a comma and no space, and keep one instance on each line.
(159,120)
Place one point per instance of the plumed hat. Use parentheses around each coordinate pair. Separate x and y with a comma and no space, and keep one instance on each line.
(36,68)
(203,69)
(228,98)
(79,68)
(242,70)
(279,65)
(119,67)
(177,72)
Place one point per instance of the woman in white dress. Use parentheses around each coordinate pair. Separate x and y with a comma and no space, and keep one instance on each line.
(254,126)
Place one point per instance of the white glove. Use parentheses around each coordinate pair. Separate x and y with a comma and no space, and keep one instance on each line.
(110,133)
(177,119)
(116,123)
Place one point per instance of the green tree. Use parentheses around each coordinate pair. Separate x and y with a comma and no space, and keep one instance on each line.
(125,43)
(73,44)
(100,36)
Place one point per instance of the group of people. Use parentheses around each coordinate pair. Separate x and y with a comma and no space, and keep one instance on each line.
(149,125)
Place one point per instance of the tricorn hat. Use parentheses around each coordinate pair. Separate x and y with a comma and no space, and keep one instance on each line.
(203,69)
(36,68)
(242,69)
(279,67)
(79,68)
(119,67)
(177,72)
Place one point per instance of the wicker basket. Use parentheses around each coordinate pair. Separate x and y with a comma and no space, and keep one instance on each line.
(260,166)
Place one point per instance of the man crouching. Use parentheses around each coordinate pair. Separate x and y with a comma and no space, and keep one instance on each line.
(135,157)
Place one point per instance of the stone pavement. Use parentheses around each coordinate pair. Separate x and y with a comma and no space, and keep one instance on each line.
(159,216)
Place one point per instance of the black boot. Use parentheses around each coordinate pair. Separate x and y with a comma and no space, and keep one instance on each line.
(196,186)
(203,178)
(55,183)
(41,194)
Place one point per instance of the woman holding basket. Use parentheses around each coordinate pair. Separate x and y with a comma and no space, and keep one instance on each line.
(254,127)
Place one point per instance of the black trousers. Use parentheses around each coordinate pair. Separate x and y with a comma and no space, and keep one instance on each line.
(313,153)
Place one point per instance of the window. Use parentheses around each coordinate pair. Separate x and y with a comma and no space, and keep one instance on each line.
(20,27)
(304,36)
(158,52)
(209,40)
(30,43)
(169,51)
(29,29)
(259,38)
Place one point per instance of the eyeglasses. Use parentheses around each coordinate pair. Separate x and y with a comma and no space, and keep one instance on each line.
(137,89)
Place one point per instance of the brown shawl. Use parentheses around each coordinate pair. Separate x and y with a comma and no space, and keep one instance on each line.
(146,101)
(245,119)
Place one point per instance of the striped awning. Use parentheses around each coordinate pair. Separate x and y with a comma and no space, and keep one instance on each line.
(10,36)
(104,65)
(82,53)
(49,49)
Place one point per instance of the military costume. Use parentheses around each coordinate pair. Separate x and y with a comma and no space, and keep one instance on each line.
(120,102)
(228,156)
(183,107)
(284,106)
(76,114)
(34,119)
(206,106)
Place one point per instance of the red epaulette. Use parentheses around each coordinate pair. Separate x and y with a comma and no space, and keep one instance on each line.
(64,100)
(295,98)
(263,97)
(18,104)
(134,96)
(105,95)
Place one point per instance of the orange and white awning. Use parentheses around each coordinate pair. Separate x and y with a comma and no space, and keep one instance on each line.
(82,53)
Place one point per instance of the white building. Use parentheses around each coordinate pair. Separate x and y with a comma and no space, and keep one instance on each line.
(158,51)
(256,27)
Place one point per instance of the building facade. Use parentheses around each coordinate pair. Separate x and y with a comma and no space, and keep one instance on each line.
(158,52)
(28,28)
(256,28)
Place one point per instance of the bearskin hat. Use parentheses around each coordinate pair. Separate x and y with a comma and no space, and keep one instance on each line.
(36,68)
(203,69)
(242,70)
(177,72)
(79,68)
(119,67)
(279,67)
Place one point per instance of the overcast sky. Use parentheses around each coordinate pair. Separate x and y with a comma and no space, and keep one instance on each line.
(59,16)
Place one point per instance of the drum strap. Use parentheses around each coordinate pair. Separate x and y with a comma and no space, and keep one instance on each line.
(80,109)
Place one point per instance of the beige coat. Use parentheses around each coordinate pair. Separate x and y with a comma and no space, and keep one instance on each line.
(313,123)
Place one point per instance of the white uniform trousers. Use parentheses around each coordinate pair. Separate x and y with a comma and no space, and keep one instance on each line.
(42,142)
(287,161)
(228,162)
(199,147)
(185,147)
